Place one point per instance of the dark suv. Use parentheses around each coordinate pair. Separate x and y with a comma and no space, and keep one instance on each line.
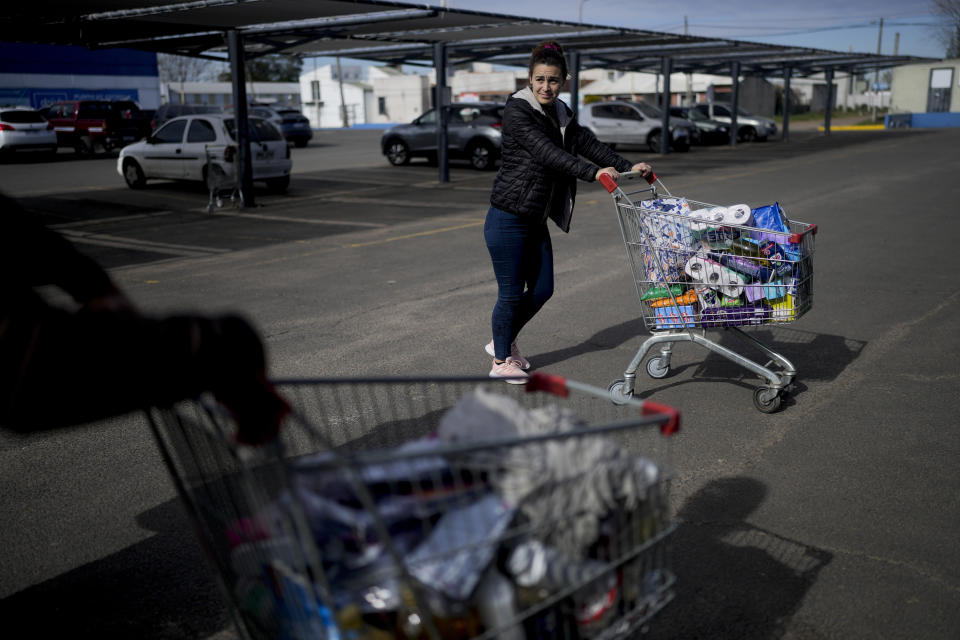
(93,125)
(473,132)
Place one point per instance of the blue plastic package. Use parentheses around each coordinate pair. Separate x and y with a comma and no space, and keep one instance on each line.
(771,217)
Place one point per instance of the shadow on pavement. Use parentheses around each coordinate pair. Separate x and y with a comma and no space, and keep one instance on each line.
(816,356)
(167,600)
(734,580)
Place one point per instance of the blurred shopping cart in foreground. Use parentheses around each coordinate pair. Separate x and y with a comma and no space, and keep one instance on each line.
(434,508)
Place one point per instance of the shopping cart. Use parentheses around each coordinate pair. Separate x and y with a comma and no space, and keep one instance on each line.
(695,269)
(433,508)
(220,172)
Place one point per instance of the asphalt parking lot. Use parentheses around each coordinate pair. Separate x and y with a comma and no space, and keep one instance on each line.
(833,518)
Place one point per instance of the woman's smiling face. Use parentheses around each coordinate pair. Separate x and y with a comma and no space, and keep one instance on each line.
(546,83)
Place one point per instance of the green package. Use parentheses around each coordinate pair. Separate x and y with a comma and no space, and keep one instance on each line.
(662,292)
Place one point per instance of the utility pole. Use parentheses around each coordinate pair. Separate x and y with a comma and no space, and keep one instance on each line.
(688,98)
(876,74)
(896,43)
(343,104)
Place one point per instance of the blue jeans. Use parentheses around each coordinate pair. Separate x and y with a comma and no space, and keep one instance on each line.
(523,263)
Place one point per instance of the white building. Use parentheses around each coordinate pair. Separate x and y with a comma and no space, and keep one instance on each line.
(35,75)
(685,88)
(321,90)
(928,87)
(396,96)
(221,93)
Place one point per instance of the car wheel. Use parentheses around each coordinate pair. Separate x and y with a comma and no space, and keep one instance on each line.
(681,146)
(133,174)
(300,143)
(748,134)
(398,153)
(482,155)
(278,185)
(653,142)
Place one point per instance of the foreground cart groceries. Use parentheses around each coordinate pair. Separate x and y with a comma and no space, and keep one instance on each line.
(434,508)
(699,266)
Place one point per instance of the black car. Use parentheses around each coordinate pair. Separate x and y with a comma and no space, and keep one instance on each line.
(711,131)
(295,126)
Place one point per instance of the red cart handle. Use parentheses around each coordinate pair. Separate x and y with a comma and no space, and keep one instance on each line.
(559,386)
(611,185)
(797,238)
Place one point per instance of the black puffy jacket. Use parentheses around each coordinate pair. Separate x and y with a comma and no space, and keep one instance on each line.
(540,163)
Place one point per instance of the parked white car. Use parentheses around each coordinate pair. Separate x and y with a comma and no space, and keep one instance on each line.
(627,122)
(24,129)
(189,147)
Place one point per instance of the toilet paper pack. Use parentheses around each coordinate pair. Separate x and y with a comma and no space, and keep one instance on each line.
(716,276)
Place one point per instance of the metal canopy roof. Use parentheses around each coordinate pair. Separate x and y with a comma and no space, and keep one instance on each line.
(398,33)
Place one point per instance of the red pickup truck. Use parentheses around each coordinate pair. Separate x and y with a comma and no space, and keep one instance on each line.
(89,126)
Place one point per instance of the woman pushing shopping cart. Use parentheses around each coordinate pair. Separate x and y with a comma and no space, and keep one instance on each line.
(699,266)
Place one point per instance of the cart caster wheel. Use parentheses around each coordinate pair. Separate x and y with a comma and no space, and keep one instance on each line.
(658,367)
(766,399)
(618,394)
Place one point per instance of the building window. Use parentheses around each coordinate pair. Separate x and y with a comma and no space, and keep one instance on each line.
(941,85)
(382,106)
(315,90)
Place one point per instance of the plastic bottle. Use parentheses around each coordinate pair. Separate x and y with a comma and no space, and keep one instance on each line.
(497,606)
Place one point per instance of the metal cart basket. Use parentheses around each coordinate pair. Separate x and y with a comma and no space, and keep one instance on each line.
(433,508)
(220,172)
(697,266)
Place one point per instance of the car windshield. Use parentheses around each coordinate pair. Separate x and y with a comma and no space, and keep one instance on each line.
(21,117)
(693,114)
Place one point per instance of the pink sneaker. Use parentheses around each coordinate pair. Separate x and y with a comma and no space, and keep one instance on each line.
(510,370)
(514,354)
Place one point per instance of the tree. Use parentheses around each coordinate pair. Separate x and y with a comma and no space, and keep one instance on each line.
(176,70)
(948,32)
(273,68)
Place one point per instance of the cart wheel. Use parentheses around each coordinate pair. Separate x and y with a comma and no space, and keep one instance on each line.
(618,393)
(766,399)
(658,367)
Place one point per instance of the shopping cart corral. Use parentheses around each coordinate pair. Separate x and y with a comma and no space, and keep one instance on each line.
(698,266)
(434,508)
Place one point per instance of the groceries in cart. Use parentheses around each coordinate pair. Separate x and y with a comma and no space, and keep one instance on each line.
(718,266)
(505,522)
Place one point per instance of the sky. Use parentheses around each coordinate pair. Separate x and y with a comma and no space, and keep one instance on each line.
(836,25)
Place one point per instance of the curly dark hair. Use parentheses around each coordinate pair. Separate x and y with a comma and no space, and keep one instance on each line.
(550,53)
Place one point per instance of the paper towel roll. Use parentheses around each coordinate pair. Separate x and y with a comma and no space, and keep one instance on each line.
(715,275)
(738,214)
(717,214)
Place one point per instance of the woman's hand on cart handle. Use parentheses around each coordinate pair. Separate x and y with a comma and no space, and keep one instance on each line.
(610,182)
(645,171)
(610,173)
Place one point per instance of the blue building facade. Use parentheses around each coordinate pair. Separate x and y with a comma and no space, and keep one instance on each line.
(35,75)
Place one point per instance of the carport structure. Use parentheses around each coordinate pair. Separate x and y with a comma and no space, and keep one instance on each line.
(412,34)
